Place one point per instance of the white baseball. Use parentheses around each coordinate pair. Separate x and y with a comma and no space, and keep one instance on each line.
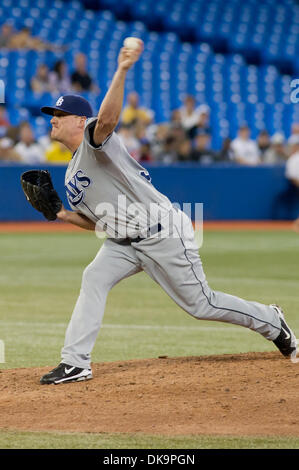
(132,43)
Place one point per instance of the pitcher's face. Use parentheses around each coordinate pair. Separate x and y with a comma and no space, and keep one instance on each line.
(65,125)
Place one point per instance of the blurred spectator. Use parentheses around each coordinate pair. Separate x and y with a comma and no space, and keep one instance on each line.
(158,140)
(150,132)
(80,78)
(245,150)
(277,152)
(4,121)
(45,141)
(189,116)
(59,78)
(40,83)
(295,128)
(201,152)
(28,149)
(204,117)
(292,165)
(185,151)
(263,142)
(140,130)
(13,133)
(192,117)
(178,133)
(145,154)
(7,151)
(58,153)
(294,132)
(126,135)
(133,113)
(291,195)
(6,35)
(173,132)
(226,153)
(168,152)
(175,118)
(24,40)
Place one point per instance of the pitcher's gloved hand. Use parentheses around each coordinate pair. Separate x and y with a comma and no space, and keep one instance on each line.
(39,191)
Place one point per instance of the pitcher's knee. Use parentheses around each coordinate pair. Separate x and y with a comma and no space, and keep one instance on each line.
(200,306)
(92,278)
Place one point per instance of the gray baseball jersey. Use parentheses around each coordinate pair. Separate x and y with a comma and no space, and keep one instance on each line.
(111,188)
(99,176)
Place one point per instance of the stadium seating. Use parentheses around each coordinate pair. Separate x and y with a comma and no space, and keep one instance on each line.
(236,89)
(262,30)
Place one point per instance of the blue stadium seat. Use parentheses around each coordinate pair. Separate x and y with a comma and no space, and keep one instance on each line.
(240,61)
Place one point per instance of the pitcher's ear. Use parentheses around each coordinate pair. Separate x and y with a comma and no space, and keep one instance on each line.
(82,121)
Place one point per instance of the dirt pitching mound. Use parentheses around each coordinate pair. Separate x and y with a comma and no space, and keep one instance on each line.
(246,394)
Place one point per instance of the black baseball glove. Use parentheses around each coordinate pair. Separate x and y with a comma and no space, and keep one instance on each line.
(39,191)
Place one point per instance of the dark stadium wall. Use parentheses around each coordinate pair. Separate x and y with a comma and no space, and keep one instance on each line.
(228,193)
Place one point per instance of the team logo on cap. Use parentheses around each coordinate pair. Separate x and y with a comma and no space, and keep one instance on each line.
(59,101)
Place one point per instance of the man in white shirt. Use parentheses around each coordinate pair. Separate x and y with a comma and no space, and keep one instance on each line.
(292,170)
(245,150)
(292,165)
(277,153)
(192,117)
(132,144)
(30,151)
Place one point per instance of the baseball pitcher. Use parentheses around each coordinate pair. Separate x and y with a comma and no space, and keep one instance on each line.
(103,182)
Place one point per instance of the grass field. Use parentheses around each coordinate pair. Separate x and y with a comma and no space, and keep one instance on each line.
(40,280)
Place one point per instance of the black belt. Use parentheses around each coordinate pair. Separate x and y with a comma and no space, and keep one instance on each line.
(150,232)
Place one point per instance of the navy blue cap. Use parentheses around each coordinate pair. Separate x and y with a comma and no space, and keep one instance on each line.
(72,104)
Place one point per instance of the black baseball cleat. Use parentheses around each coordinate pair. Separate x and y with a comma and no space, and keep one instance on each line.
(65,373)
(286,341)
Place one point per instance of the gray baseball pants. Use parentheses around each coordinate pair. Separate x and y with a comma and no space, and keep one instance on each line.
(174,263)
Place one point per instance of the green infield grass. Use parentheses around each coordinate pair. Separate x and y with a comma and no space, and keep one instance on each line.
(55,440)
(40,280)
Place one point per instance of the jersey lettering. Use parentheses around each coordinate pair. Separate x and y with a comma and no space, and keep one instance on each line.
(145,175)
(75,187)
